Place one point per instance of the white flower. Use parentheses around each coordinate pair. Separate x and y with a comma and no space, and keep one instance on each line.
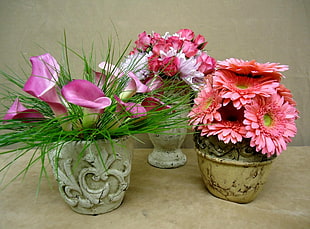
(189,71)
(137,63)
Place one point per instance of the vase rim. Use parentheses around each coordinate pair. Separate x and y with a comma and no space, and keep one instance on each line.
(233,162)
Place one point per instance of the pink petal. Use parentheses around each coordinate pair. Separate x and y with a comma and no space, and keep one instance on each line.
(151,103)
(85,94)
(41,83)
(136,85)
(18,111)
(137,110)
(154,83)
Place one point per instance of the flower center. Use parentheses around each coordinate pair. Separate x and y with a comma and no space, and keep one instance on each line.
(208,103)
(267,120)
(242,86)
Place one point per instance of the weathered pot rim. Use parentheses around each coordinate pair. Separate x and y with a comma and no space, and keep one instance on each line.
(232,162)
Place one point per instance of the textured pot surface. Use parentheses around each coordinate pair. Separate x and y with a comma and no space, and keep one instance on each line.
(233,180)
(93,180)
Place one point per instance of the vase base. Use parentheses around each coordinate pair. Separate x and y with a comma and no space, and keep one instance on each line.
(167,159)
(97,210)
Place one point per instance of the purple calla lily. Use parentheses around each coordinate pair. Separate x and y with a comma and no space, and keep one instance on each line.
(42,82)
(18,111)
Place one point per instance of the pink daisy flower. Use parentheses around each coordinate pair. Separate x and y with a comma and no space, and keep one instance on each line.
(286,93)
(206,107)
(241,90)
(226,131)
(252,68)
(269,123)
(230,128)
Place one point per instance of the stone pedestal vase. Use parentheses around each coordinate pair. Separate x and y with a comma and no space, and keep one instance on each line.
(234,180)
(93,177)
(167,151)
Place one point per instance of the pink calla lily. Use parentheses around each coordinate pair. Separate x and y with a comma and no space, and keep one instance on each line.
(42,82)
(137,110)
(18,111)
(154,82)
(85,94)
(154,104)
(134,85)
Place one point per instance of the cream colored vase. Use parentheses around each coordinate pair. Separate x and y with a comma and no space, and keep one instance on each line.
(92,180)
(167,151)
(233,180)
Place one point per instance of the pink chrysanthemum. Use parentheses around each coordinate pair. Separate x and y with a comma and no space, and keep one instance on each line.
(206,107)
(241,90)
(230,128)
(270,124)
(252,68)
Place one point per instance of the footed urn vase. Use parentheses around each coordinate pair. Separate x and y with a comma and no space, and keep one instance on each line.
(167,151)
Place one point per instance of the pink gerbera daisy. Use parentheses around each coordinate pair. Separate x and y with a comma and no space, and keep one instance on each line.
(252,68)
(230,128)
(270,124)
(286,93)
(226,131)
(241,90)
(206,107)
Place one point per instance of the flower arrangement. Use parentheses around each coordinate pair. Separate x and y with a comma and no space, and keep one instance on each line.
(171,56)
(101,104)
(244,103)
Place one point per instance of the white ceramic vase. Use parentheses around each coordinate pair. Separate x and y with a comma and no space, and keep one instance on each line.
(93,179)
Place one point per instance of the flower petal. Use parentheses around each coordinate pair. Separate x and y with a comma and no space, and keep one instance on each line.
(41,83)
(18,111)
(85,94)
(152,103)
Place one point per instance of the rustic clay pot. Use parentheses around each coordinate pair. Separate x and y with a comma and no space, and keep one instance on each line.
(232,180)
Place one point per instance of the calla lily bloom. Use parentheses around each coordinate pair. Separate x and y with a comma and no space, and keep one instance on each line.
(85,94)
(42,82)
(18,111)
(137,110)
(140,110)
(134,85)
(154,104)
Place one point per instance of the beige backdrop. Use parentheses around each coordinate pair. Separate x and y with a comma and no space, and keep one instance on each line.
(265,30)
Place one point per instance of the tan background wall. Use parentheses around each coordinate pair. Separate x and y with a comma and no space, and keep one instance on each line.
(265,30)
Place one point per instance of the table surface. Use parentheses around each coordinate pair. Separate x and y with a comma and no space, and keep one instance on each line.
(167,198)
